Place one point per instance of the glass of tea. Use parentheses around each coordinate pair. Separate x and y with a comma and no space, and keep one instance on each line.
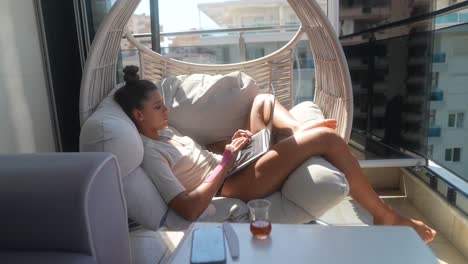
(260,225)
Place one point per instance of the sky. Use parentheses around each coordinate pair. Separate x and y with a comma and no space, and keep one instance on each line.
(179,15)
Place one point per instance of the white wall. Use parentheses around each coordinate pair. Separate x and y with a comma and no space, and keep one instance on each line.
(25,119)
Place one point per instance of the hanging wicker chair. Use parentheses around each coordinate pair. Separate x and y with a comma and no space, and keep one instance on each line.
(333,92)
(107,128)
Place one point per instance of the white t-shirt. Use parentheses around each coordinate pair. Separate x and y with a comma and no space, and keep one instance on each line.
(178,164)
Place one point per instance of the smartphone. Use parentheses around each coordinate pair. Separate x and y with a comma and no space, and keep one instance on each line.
(208,246)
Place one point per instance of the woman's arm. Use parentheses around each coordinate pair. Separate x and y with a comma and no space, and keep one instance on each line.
(191,204)
(217,147)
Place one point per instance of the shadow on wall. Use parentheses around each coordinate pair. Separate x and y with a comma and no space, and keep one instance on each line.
(24,112)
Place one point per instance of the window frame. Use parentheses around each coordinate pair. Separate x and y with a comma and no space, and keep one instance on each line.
(456,121)
(452,154)
(459,154)
(449,153)
(432,117)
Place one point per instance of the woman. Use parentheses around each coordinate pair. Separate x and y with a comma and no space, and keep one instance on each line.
(189,176)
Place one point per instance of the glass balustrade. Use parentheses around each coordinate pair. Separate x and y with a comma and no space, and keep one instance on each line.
(359,15)
(410,89)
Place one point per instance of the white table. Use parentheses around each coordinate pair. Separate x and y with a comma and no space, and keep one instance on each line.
(322,244)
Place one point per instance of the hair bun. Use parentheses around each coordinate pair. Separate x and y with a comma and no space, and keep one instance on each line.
(131,74)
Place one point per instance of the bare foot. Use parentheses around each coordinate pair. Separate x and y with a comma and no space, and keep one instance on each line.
(330,123)
(425,232)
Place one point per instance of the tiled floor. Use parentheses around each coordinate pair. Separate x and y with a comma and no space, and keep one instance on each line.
(349,212)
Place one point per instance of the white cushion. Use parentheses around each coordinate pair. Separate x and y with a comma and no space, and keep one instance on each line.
(209,108)
(306,111)
(144,203)
(284,211)
(313,187)
(109,129)
(303,112)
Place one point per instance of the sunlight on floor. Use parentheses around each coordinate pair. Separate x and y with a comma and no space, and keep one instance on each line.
(348,212)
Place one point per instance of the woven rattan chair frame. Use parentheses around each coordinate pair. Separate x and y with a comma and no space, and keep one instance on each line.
(333,90)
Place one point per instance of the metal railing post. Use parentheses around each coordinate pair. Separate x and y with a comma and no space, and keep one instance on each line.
(156,36)
(242,53)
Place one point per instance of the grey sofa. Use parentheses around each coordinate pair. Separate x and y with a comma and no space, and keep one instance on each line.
(62,208)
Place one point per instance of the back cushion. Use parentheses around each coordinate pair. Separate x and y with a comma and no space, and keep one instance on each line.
(144,203)
(109,129)
(209,108)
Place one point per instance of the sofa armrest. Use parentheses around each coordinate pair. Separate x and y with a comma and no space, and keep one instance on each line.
(64,202)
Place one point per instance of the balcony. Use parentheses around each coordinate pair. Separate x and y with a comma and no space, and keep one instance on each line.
(437,96)
(434,132)
(439,57)
(391,134)
(365,13)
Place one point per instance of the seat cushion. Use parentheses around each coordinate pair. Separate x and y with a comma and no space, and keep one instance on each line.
(313,187)
(148,246)
(209,108)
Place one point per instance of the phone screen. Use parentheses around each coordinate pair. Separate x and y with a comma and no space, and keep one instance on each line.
(208,246)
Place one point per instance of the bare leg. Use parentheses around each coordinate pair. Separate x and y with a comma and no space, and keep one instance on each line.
(283,121)
(269,172)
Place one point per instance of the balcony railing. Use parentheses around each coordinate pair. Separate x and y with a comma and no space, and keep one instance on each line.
(417,72)
(224,30)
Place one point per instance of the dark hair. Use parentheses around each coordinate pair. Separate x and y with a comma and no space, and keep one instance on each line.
(134,92)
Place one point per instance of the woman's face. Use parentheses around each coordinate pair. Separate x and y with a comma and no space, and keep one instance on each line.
(154,115)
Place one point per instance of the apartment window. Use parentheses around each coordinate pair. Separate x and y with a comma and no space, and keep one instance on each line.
(255,52)
(259,21)
(435,80)
(432,116)
(459,47)
(456,119)
(453,154)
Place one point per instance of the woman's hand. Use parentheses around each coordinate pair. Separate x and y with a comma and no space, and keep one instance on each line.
(239,140)
(219,147)
(242,133)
